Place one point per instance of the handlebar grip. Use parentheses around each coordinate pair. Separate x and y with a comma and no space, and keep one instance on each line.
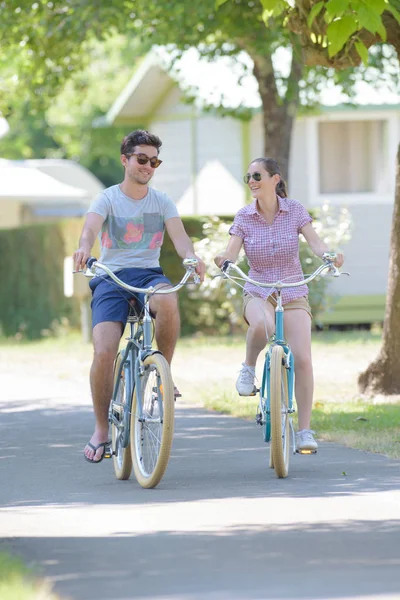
(329,256)
(225,265)
(190,262)
(90,261)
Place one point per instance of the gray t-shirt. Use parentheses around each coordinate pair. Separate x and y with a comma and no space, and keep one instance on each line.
(133,230)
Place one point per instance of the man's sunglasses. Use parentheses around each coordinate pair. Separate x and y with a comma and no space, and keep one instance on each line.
(143,159)
(256,176)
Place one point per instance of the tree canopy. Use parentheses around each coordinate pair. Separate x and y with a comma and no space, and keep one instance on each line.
(43,43)
(336,33)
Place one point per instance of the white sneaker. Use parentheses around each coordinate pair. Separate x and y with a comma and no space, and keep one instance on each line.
(245,382)
(305,441)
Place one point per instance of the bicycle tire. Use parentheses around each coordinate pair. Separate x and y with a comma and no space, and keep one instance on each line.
(122,459)
(271,458)
(279,405)
(151,437)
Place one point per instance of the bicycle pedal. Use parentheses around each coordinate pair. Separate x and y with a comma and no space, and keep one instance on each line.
(109,453)
(306,452)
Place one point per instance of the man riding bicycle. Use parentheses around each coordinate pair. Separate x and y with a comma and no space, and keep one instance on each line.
(130,218)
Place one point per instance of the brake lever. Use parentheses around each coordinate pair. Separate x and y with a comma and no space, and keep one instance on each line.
(335,271)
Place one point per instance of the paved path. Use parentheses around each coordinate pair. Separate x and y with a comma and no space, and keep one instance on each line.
(220,526)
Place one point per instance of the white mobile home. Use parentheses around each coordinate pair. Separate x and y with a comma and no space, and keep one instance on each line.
(34,191)
(345,156)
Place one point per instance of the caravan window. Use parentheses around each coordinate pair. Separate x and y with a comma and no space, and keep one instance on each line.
(351,156)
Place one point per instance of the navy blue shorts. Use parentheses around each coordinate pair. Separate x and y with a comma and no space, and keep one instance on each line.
(110,302)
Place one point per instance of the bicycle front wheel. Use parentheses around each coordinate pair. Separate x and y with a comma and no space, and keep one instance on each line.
(279,407)
(121,456)
(153,430)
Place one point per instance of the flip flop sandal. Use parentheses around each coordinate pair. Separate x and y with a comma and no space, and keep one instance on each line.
(106,451)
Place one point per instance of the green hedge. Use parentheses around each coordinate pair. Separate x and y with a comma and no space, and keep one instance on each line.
(32,301)
(31,274)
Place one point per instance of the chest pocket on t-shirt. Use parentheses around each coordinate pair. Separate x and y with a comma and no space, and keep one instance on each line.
(152,222)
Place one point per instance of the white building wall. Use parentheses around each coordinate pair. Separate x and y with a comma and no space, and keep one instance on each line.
(172,105)
(174,175)
(220,139)
(367,252)
(298,187)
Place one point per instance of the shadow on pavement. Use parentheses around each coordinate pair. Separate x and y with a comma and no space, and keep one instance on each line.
(319,561)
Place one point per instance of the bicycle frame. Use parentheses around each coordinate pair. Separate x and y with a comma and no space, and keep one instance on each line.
(265,390)
(139,347)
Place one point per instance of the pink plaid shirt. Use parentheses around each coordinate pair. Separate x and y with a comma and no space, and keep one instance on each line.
(273,250)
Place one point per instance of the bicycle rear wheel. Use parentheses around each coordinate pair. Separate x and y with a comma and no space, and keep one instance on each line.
(279,406)
(152,432)
(122,459)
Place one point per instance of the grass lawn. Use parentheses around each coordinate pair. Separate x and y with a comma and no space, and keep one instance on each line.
(18,583)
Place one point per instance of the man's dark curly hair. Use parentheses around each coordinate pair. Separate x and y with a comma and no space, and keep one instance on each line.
(140,137)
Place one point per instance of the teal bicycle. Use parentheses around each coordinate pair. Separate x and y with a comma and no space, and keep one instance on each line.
(142,406)
(276,406)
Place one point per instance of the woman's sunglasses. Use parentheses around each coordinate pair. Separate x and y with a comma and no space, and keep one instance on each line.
(143,159)
(256,176)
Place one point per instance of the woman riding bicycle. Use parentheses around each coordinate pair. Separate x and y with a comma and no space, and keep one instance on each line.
(269,231)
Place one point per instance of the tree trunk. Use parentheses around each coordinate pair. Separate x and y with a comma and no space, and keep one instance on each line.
(278,113)
(383,374)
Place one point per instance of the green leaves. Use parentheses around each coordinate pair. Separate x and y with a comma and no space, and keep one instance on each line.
(314,12)
(338,33)
(344,19)
(362,51)
(370,19)
(270,4)
(336,8)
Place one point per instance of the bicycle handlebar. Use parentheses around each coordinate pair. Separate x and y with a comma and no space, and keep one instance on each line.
(189,263)
(327,257)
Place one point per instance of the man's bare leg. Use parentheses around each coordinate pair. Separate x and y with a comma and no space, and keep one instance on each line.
(106,337)
(166,311)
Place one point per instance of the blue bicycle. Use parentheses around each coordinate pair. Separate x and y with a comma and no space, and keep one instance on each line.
(142,406)
(276,407)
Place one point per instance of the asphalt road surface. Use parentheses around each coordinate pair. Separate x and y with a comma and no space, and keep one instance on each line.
(220,525)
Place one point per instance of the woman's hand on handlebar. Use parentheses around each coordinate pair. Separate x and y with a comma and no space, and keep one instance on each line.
(220,259)
(339,260)
(334,258)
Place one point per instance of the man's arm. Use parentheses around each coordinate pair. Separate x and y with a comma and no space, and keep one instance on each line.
(90,231)
(182,243)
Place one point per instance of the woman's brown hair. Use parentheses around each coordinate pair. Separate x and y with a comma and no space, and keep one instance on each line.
(272,167)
